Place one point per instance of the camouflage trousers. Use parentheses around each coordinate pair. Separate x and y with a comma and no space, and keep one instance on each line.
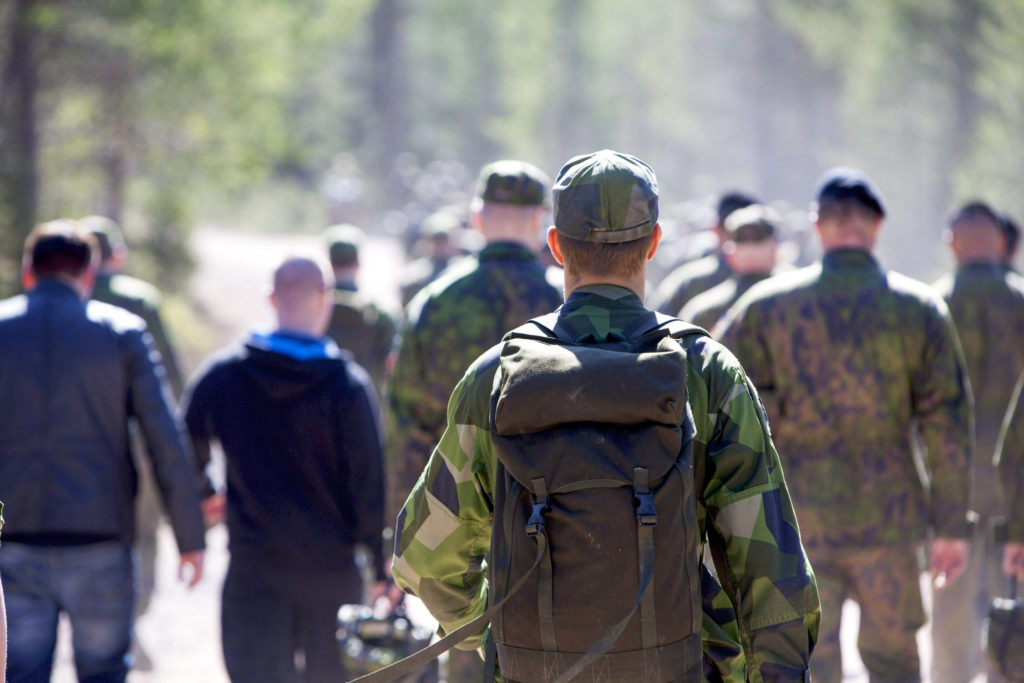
(884,581)
(463,666)
(960,610)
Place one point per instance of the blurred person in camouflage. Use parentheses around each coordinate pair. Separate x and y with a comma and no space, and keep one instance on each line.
(298,423)
(75,373)
(849,360)
(142,299)
(1009,462)
(694,277)
(438,238)
(986,300)
(459,316)
(750,249)
(605,231)
(358,324)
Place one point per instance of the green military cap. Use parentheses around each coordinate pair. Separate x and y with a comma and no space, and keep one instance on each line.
(513,182)
(107,233)
(752,223)
(343,242)
(606,197)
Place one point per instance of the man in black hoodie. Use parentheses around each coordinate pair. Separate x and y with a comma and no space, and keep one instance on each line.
(299,426)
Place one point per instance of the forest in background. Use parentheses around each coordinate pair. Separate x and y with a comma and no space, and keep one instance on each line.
(284,115)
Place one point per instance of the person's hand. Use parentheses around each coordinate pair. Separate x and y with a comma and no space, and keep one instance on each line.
(190,569)
(1013,560)
(948,560)
(213,509)
(387,590)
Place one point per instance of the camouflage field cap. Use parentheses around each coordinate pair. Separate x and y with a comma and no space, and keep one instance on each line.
(513,182)
(606,197)
(343,243)
(752,223)
(849,183)
(107,233)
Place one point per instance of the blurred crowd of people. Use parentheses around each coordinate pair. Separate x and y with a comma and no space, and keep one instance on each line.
(326,423)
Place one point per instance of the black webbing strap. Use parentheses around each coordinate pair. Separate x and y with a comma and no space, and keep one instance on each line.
(545,583)
(605,642)
(646,518)
(431,652)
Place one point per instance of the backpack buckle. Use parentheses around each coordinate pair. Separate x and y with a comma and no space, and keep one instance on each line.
(535,524)
(646,515)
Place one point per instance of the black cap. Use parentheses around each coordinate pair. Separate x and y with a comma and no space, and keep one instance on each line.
(731,201)
(848,183)
(513,182)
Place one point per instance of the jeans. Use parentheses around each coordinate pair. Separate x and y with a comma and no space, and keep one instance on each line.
(92,584)
(268,614)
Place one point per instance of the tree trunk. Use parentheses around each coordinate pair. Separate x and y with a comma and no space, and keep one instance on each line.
(19,98)
(388,83)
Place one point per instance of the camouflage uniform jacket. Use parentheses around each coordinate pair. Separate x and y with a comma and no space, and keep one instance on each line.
(704,310)
(1010,463)
(449,323)
(365,329)
(849,359)
(687,281)
(987,305)
(142,299)
(444,530)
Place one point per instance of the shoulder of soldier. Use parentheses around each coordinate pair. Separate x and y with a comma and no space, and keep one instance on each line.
(712,299)
(779,288)
(13,306)
(117,318)
(915,293)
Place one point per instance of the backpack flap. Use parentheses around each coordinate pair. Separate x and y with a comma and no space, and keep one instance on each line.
(549,391)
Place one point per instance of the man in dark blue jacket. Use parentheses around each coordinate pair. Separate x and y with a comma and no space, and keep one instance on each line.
(298,423)
(72,374)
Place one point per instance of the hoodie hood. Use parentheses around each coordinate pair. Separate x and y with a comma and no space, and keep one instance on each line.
(285,365)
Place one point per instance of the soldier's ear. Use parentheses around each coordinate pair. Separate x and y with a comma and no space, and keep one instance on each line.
(28,279)
(552,240)
(655,241)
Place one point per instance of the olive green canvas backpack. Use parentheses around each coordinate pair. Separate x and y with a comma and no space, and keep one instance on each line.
(595,484)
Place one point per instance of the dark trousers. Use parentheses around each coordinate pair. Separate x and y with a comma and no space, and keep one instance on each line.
(279,625)
(92,584)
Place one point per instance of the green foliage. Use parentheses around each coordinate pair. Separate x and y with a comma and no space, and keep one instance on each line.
(168,113)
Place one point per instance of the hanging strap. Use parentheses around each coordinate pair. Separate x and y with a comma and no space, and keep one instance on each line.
(545,584)
(431,652)
(646,517)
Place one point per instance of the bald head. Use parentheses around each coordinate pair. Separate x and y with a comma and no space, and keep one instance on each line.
(299,296)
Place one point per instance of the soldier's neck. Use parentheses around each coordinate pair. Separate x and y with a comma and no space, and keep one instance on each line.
(574,281)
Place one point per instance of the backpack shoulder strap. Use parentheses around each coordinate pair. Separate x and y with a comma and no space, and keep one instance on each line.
(549,328)
(659,323)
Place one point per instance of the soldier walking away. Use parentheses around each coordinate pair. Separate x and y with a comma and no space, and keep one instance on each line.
(986,300)
(849,359)
(694,277)
(142,299)
(750,249)
(460,315)
(535,472)
(299,426)
(74,374)
(358,324)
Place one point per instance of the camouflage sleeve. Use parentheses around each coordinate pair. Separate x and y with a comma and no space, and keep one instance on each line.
(752,528)
(444,530)
(942,408)
(416,416)
(1010,461)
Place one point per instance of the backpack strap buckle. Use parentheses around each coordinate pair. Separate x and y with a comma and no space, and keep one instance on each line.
(646,514)
(535,524)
